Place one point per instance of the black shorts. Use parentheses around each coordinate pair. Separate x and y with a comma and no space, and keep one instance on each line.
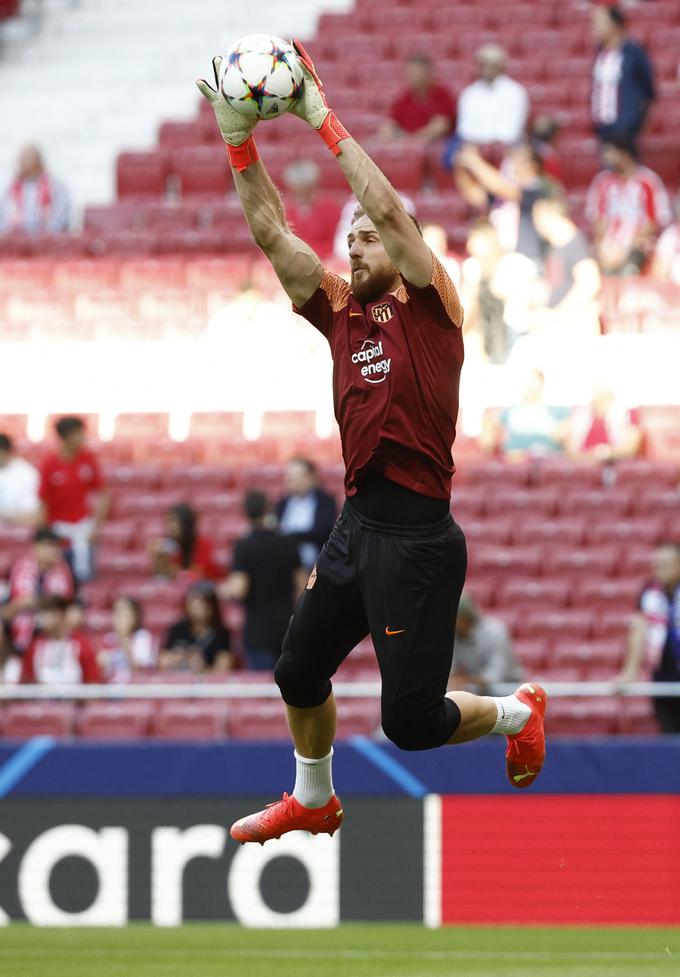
(400,584)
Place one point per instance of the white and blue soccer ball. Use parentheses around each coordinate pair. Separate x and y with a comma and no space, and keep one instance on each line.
(260,76)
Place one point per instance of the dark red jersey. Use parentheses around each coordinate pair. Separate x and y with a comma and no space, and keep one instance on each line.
(396,373)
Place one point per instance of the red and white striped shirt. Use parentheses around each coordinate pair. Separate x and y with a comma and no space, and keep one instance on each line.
(628,204)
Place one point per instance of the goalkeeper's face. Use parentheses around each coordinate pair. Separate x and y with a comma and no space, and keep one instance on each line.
(372,272)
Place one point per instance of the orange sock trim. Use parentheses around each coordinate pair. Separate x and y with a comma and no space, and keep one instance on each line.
(332,132)
(242,156)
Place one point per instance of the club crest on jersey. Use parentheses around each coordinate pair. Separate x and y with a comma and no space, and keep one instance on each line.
(382,312)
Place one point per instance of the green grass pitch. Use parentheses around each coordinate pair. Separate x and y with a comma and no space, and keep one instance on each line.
(360,950)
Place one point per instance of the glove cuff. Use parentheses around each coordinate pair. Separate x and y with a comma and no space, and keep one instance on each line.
(333,132)
(242,156)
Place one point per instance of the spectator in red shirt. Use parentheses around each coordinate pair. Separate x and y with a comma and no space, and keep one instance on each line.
(42,573)
(605,430)
(68,478)
(57,655)
(425,111)
(312,216)
(627,206)
(182,553)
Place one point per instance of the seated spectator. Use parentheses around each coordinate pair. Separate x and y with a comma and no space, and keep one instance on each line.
(57,655)
(514,188)
(623,82)
(312,216)
(531,428)
(10,662)
(605,430)
(483,653)
(494,108)
(542,136)
(35,203)
(484,307)
(199,642)
(129,647)
(42,573)
(19,480)
(627,205)
(666,265)
(572,276)
(267,577)
(424,111)
(306,512)
(183,553)
(654,635)
(69,477)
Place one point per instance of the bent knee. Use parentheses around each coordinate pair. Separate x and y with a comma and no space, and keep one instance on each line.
(412,730)
(300,687)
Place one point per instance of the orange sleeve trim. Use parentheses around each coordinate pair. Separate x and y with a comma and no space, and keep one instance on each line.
(337,290)
(447,292)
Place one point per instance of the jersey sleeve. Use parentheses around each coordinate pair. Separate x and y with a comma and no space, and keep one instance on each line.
(439,299)
(331,296)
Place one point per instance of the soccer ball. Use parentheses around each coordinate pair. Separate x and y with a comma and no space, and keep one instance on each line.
(260,76)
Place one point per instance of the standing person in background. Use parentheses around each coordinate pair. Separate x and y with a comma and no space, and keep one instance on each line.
(623,81)
(69,477)
(267,577)
(306,512)
(425,110)
(494,108)
(35,203)
(627,206)
(183,552)
(484,653)
(57,655)
(199,642)
(19,481)
(314,215)
(41,573)
(654,636)
(128,647)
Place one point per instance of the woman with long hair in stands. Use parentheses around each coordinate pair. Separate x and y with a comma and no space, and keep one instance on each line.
(200,641)
(183,552)
(129,646)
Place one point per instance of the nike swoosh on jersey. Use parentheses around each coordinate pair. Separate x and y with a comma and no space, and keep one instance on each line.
(357,313)
(400,631)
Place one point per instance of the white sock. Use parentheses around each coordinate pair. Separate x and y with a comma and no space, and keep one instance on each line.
(512,714)
(313,780)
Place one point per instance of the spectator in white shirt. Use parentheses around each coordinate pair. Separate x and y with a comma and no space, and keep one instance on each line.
(19,503)
(483,653)
(128,647)
(495,107)
(35,203)
(306,512)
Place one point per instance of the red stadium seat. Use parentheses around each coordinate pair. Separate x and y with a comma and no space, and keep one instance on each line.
(500,475)
(258,719)
(532,654)
(141,174)
(201,171)
(574,624)
(582,717)
(26,719)
(636,717)
(548,594)
(656,502)
(357,717)
(115,720)
(501,560)
(601,561)
(179,135)
(612,624)
(532,531)
(196,720)
(494,532)
(606,594)
(541,501)
(646,531)
(604,502)
(606,655)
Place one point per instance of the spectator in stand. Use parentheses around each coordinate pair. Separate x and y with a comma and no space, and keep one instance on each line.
(605,430)
(129,647)
(10,662)
(666,266)
(571,274)
(514,188)
(654,635)
(542,136)
(57,655)
(183,553)
(494,108)
(42,573)
(306,513)
(627,206)
(623,82)
(267,577)
(19,481)
(69,477)
(483,655)
(313,216)
(484,308)
(35,203)
(529,429)
(424,111)
(199,642)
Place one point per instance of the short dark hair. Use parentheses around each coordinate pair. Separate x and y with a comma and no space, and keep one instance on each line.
(419,57)
(68,425)
(620,140)
(6,443)
(55,602)
(255,504)
(360,212)
(46,535)
(616,15)
(306,463)
(135,607)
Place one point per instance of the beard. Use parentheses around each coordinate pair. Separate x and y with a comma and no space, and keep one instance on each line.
(373,285)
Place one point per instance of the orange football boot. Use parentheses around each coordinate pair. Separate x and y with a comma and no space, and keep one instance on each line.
(288,815)
(525,754)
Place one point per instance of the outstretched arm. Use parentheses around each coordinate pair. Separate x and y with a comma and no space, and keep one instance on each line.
(375,193)
(296,265)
